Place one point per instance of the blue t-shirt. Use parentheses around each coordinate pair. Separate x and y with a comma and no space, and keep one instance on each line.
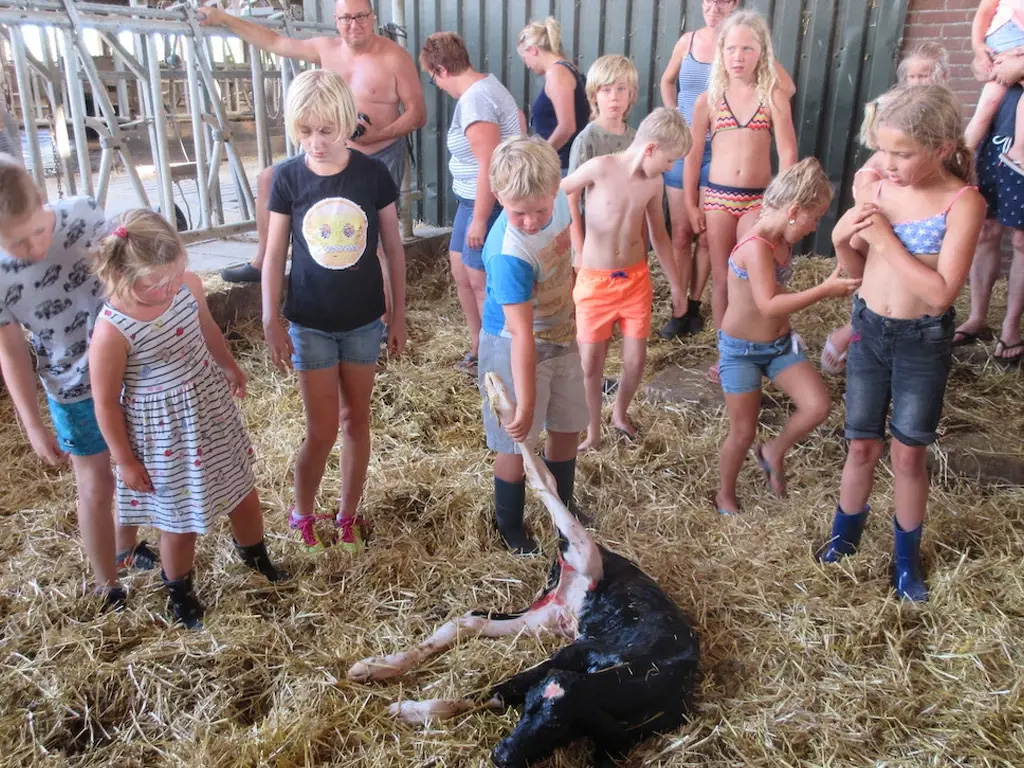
(538,267)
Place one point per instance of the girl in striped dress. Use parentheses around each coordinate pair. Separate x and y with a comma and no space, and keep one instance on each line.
(163,381)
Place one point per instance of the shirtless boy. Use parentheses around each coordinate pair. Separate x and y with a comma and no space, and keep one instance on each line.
(383,79)
(613,285)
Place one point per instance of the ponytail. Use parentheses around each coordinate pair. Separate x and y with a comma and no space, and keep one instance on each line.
(960,162)
(545,35)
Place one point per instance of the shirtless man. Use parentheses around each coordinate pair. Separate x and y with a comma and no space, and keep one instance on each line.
(613,285)
(383,78)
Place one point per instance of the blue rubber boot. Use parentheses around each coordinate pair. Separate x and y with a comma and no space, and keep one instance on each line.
(845,538)
(907,579)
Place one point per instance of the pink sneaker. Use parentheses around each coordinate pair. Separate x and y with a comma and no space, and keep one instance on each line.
(352,531)
(306,526)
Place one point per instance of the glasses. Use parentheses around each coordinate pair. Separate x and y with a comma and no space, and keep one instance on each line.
(719,4)
(358,18)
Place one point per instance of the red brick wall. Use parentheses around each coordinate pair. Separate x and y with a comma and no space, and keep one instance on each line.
(947,22)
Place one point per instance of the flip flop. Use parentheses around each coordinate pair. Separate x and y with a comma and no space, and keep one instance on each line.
(1012,164)
(626,437)
(832,361)
(769,473)
(722,511)
(967,338)
(1004,347)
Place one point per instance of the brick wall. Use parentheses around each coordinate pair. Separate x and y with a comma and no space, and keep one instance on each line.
(949,23)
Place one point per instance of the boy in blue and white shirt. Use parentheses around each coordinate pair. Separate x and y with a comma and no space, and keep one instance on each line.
(529,328)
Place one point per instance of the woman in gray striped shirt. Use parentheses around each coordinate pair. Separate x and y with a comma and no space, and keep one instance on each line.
(485,114)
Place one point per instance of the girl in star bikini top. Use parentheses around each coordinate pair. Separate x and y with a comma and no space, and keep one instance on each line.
(923,221)
(755,340)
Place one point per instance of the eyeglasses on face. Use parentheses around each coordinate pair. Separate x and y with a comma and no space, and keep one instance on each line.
(357,18)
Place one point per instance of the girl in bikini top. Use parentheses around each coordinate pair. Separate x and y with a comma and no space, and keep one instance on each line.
(725,119)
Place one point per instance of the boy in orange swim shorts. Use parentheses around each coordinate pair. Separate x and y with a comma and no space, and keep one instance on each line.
(613,285)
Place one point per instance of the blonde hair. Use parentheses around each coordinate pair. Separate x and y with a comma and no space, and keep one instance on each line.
(929,51)
(668,129)
(138,242)
(764,74)
(523,167)
(867,136)
(546,35)
(606,71)
(19,195)
(930,116)
(803,184)
(322,96)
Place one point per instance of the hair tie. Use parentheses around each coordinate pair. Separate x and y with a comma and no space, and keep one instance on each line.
(121,232)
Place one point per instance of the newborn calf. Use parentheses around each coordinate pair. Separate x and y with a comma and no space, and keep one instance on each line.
(628,673)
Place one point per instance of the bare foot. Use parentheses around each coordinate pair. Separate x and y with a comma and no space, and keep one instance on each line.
(592,443)
(773,467)
(969,332)
(726,505)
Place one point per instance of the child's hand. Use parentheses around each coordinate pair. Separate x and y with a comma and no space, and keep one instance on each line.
(697,220)
(519,428)
(396,335)
(981,66)
(280,344)
(45,445)
(236,379)
(854,221)
(136,477)
(839,287)
(476,233)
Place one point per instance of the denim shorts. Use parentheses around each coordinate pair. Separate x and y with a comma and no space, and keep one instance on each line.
(316,349)
(78,433)
(905,362)
(471,257)
(741,363)
(674,176)
(561,404)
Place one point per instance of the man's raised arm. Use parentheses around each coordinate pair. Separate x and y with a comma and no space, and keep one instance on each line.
(262,37)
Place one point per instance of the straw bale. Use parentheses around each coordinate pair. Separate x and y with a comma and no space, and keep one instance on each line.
(803,665)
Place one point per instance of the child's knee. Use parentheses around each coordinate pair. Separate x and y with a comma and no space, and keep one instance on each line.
(865,452)
(819,407)
(355,422)
(320,436)
(908,460)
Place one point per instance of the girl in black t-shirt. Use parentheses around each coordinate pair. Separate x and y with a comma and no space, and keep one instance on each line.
(334,204)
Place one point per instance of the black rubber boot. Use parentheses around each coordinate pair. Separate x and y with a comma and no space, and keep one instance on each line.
(255,556)
(907,579)
(694,319)
(509,503)
(676,326)
(565,479)
(182,600)
(241,273)
(141,557)
(114,598)
(845,538)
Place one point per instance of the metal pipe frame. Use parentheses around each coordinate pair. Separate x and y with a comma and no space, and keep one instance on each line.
(27,104)
(62,79)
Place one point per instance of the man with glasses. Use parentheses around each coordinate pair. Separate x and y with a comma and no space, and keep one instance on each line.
(384,81)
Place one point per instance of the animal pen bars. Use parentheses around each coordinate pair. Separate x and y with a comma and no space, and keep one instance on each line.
(840,52)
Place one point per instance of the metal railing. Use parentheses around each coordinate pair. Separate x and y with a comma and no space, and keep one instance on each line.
(54,88)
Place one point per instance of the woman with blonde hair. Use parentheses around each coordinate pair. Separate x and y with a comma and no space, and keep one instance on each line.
(561,109)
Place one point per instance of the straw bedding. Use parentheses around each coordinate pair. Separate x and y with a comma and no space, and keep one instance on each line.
(802,665)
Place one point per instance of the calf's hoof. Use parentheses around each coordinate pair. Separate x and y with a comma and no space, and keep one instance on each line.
(372,669)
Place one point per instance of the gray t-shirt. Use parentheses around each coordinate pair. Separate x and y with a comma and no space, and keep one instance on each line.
(487,101)
(595,141)
(57,299)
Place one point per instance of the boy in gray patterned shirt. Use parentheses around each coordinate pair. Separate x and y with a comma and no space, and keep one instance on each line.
(46,288)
